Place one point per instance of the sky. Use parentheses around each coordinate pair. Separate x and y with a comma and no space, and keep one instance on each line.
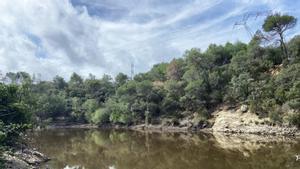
(58,37)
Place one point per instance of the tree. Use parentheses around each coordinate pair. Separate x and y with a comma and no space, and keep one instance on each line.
(12,77)
(59,83)
(77,109)
(12,110)
(14,116)
(158,72)
(90,106)
(175,69)
(119,112)
(76,88)
(294,48)
(98,89)
(100,116)
(75,79)
(121,79)
(197,77)
(277,24)
(51,106)
(240,87)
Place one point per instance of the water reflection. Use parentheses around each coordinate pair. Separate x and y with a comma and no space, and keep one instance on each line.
(110,149)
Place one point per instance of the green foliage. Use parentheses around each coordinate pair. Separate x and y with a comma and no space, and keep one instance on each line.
(51,106)
(196,95)
(76,87)
(89,108)
(18,78)
(77,113)
(11,133)
(278,22)
(99,89)
(100,116)
(3,134)
(14,114)
(121,79)
(158,72)
(59,83)
(294,119)
(294,48)
(175,69)
(287,84)
(119,112)
(241,86)
(12,110)
(294,103)
(275,117)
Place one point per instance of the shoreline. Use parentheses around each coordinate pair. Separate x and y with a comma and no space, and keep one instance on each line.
(264,130)
(227,121)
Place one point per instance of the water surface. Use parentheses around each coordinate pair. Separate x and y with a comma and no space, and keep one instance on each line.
(111,149)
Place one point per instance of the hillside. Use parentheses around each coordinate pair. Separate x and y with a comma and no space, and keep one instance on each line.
(265,78)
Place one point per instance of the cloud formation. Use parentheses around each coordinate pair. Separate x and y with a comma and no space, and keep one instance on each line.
(105,36)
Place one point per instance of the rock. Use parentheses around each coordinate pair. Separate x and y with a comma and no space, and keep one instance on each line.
(189,125)
(186,123)
(14,162)
(139,127)
(72,167)
(31,156)
(166,122)
(170,122)
(26,159)
(232,121)
(244,108)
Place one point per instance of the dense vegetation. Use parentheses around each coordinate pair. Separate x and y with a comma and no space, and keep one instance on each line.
(14,115)
(265,77)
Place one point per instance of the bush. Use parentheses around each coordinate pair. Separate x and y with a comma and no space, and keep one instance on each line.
(2,136)
(9,134)
(126,119)
(295,103)
(100,116)
(275,116)
(294,119)
(90,107)
(123,118)
(118,112)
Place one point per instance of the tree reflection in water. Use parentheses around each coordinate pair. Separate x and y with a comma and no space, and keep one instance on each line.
(115,149)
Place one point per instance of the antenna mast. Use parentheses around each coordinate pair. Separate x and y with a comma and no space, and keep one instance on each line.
(1,77)
(132,70)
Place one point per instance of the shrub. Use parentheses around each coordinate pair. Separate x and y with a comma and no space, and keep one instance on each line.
(126,119)
(294,119)
(100,116)
(2,136)
(275,116)
(90,107)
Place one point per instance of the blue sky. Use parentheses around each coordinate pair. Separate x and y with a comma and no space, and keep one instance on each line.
(105,36)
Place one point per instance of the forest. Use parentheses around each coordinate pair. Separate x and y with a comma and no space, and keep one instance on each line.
(263,74)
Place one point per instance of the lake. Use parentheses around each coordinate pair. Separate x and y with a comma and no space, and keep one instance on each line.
(119,149)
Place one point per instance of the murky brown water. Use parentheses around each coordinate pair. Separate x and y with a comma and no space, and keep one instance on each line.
(110,149)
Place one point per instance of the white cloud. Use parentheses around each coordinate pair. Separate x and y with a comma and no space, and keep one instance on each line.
(57,37)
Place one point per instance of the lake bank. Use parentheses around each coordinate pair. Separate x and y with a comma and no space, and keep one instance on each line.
(245,130)
(230,121)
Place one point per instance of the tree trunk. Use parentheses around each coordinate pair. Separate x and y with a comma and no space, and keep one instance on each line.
(283,46)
